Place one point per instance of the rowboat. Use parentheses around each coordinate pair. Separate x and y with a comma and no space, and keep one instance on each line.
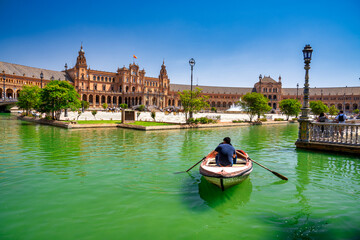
(226,177)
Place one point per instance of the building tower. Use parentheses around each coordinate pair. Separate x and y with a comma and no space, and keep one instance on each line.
(164,85)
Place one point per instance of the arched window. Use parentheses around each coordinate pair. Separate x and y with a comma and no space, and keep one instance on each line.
(98,78)
(105,79)
(127,89)
(133,89)
(94,78)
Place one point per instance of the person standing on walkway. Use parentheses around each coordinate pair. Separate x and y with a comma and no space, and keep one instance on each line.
(341,117)
(226,154)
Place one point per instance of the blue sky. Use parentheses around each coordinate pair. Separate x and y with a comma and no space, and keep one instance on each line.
(232,41)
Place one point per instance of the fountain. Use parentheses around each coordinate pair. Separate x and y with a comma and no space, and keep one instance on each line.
(235,108)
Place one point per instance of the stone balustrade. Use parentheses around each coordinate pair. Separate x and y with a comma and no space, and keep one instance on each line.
(335,133)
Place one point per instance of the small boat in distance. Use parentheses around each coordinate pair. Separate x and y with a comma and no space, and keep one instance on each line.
(226,177)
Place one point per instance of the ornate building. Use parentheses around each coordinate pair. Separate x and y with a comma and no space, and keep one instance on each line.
(131,86)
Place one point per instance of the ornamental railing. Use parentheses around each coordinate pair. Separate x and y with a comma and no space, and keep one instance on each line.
(335,133)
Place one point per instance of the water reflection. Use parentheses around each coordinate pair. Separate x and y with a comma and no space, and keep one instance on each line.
(201,195)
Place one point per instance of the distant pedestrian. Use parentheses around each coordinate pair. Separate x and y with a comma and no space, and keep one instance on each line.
(323,118)
(341,117)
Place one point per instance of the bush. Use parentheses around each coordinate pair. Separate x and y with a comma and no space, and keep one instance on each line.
(213,109)
(238,121)
(356,111)
(105,105)
(202,120)
(123,106)
(262,119)
(141,108)
(279,119)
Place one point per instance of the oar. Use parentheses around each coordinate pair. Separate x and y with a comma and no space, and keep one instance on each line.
(273,172)
(192,166)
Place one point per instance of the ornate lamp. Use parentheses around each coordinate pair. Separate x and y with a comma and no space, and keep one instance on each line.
(41,77)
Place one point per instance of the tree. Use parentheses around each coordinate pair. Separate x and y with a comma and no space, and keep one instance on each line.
(153,115)
(141,108)
(84,105)
(124,106)
(290,107)
(105,105)
(58,95)
(318,107)
(356,111)
(29,98)
(94,112)
(255,104)
(193,101)
(333,110)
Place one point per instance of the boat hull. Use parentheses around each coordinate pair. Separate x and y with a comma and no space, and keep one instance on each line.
(226,182)
(226,177)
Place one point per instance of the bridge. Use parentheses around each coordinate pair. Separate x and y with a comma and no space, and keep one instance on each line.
(7,103)
(335,137)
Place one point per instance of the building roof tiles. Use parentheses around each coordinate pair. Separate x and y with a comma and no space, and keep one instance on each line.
(20,70)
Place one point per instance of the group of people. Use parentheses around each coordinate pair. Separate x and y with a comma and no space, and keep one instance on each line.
(340,118)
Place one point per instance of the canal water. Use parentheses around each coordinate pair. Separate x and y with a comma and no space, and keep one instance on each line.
(120,184)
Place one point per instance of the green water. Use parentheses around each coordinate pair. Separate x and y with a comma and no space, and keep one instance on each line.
(119,184)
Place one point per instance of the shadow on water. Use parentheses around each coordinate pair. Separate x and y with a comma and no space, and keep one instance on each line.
(201,195)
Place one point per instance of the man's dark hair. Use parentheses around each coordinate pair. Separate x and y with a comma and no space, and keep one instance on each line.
(341,111)
(227,140)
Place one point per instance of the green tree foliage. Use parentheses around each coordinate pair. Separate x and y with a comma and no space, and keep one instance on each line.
(141,108)
(85,105)
(318,107)
(255,104)
(29,98)
(94,112)
(356,111)
(58,95)
(153,115)
(333,110)
(290,107)
(123,106)
(193,101)
(105,105)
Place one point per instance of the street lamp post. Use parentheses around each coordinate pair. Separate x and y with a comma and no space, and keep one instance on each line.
(41,77)
(304,118)
(297,91)
(4,78)
(192,63)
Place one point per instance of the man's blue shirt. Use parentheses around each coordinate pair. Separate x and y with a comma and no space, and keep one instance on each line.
(225,154)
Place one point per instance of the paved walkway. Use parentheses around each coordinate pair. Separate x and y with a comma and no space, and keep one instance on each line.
(162,117)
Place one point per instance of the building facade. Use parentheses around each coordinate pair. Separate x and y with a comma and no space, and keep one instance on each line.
(130,85)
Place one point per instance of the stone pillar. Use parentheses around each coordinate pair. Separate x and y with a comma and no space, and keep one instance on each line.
(304,120)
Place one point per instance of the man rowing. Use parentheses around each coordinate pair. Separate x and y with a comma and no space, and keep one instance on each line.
(226,154)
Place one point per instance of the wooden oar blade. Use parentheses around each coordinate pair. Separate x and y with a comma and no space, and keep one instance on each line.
(279,175)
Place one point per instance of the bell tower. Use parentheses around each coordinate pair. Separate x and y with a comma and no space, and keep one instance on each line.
(81,71)
(164,79)
(81,60)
